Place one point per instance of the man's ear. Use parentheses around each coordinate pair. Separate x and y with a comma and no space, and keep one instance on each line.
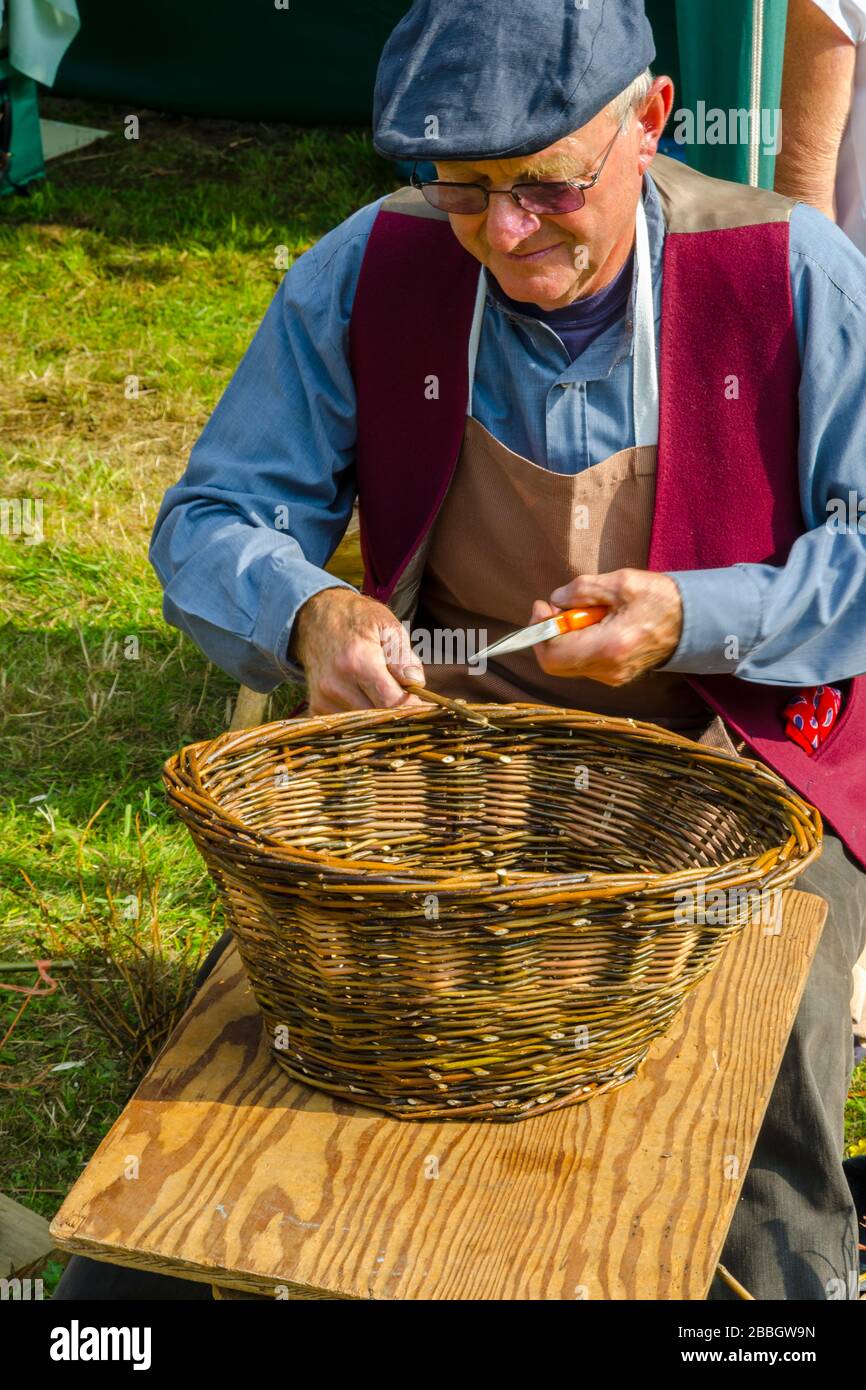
(653,118)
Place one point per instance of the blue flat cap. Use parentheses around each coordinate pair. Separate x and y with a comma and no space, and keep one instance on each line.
(493,79)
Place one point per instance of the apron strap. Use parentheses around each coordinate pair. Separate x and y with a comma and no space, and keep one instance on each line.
(475,334)
(645,379)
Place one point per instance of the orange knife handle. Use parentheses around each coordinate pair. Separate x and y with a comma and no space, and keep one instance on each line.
(575,618)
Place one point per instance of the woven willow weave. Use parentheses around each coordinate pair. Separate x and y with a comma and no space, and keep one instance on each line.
(453,919)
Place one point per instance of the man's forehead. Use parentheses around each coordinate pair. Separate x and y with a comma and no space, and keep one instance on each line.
(567,156)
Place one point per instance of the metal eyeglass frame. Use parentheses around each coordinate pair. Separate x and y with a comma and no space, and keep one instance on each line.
(513,192)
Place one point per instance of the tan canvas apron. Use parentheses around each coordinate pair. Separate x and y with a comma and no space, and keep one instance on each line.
(509,532)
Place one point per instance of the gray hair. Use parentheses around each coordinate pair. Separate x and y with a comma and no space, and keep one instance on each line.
(623,106)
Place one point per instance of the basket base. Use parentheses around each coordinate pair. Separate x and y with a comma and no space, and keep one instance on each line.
(482,1112)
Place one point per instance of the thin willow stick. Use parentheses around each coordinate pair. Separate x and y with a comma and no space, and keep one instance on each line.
(456,706)
(734,1284)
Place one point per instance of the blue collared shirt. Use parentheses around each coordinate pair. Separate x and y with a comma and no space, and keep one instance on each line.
(241,540)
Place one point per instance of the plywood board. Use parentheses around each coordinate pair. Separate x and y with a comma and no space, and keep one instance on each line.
(223,1169)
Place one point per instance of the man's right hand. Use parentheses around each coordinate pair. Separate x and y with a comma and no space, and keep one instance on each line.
(354,652)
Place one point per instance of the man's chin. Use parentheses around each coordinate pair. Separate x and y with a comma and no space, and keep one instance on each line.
(539,287)
(546,285)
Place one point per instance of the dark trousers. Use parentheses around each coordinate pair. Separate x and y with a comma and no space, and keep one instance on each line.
(794,1233)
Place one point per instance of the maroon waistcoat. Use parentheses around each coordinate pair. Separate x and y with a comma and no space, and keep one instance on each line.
(727,487)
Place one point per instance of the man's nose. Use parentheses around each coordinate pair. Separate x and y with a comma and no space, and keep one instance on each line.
(508,224)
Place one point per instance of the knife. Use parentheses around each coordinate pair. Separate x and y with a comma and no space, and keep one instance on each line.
(572,620)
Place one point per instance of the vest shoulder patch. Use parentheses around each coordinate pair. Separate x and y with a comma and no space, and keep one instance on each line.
(694,202)
(410,202)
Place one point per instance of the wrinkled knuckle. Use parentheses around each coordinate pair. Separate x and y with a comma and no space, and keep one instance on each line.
(383,697)
(354,659)
(629,584)
(327,689)
(397,653)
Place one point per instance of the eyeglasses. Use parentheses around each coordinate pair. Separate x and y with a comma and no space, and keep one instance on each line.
(544,198)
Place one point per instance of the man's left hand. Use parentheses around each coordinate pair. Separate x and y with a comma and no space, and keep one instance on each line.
(642,629)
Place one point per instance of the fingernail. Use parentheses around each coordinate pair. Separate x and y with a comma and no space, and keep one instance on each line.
(414,674)
(557,596)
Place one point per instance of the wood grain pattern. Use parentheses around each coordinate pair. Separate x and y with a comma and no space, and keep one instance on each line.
(25,1242)
(249,1180)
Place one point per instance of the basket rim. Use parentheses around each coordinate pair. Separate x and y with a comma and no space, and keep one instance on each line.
(185,769)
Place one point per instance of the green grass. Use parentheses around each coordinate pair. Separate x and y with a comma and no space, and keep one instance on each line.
(155,259)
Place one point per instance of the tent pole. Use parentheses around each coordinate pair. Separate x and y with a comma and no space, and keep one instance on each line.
(755,91)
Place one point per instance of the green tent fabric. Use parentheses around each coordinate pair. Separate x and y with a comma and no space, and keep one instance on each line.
(20,137)
(730,54)
(316,64)
(39,33)
(34,35)
(662,15)
(302,62)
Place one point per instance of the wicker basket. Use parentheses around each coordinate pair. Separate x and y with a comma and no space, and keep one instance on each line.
(481,920)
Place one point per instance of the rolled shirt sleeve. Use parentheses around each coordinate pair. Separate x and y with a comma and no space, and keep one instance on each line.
(802,623)
(241,541)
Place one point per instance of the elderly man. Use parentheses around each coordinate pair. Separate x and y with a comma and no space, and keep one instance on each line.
(567,372)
